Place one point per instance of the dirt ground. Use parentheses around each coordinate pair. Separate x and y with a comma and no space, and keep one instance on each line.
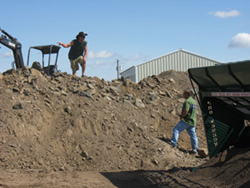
(66,131)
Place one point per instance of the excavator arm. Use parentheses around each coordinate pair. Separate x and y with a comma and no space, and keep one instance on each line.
(12,43)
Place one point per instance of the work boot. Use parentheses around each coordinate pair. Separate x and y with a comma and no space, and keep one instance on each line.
(173,145)
(192,152)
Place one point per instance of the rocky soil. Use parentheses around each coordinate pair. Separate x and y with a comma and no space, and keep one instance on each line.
(61,131)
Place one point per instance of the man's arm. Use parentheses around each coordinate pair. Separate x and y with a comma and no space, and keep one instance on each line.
(185,110)
(85,53)
(183,114)
(66,45)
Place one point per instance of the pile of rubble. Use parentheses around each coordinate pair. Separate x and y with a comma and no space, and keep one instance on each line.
(63,123)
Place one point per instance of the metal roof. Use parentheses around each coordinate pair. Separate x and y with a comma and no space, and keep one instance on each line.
(180,50)
(46,49)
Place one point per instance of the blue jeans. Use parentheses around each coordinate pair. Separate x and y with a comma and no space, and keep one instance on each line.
(181,126)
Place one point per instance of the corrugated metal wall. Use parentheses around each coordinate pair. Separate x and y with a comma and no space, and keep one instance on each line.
(180,61)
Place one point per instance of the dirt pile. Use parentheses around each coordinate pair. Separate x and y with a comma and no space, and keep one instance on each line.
(63,123)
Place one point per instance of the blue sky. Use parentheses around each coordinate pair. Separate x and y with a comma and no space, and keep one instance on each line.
(132,31)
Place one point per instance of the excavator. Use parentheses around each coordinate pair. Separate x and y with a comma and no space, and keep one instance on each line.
(12,43)
(16,47)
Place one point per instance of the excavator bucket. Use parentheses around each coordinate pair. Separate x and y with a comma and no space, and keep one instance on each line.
(224,98)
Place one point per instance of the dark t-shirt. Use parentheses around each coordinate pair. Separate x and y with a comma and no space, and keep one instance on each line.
(77,49)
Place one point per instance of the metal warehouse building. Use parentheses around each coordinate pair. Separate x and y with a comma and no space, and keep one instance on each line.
(179,60)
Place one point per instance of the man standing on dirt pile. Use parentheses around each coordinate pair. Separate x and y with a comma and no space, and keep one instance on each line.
(78,47)
(187,121)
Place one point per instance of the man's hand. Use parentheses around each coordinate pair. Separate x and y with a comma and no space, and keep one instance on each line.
(84,59)
(184,113)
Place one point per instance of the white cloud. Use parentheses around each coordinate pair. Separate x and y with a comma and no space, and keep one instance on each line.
(101,54)
(136,57)
(6,54)
(225,14)
(241,40)
(101,63)
(110,59)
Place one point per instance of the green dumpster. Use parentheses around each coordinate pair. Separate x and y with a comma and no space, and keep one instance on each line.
(224,98)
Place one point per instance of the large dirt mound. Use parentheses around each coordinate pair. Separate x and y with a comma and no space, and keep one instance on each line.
(66,123)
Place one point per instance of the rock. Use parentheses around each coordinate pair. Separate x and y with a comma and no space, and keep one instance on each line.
(108,98)
(57,94)
(181,100)
(68,109)
(1,76)
(26,71)
(91,86)
(173,112)
(172,80)
(26,92)
(169,95)
(92,91)
(13,146)
(161,151)
(203,152)
(130,129)
(155,161)
(127,82)
(15,89)
(139,103)
(3,141)
(164,104)
(134,124)
(64,93)
(26,67)
(29,80)
(73,89)
(130,97)
(152,85)
(85,94)
(47,101)
(128,103)
(84,154)
(97,80)
(165,116)
(153,96)
(162,93)
(18,106)
(115,90)
(37,73)
(84,87)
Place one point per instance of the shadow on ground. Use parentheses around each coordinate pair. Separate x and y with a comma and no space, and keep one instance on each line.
(145,179)
(130,179)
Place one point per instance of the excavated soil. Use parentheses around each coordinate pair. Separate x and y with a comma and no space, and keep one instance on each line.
(66,131)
